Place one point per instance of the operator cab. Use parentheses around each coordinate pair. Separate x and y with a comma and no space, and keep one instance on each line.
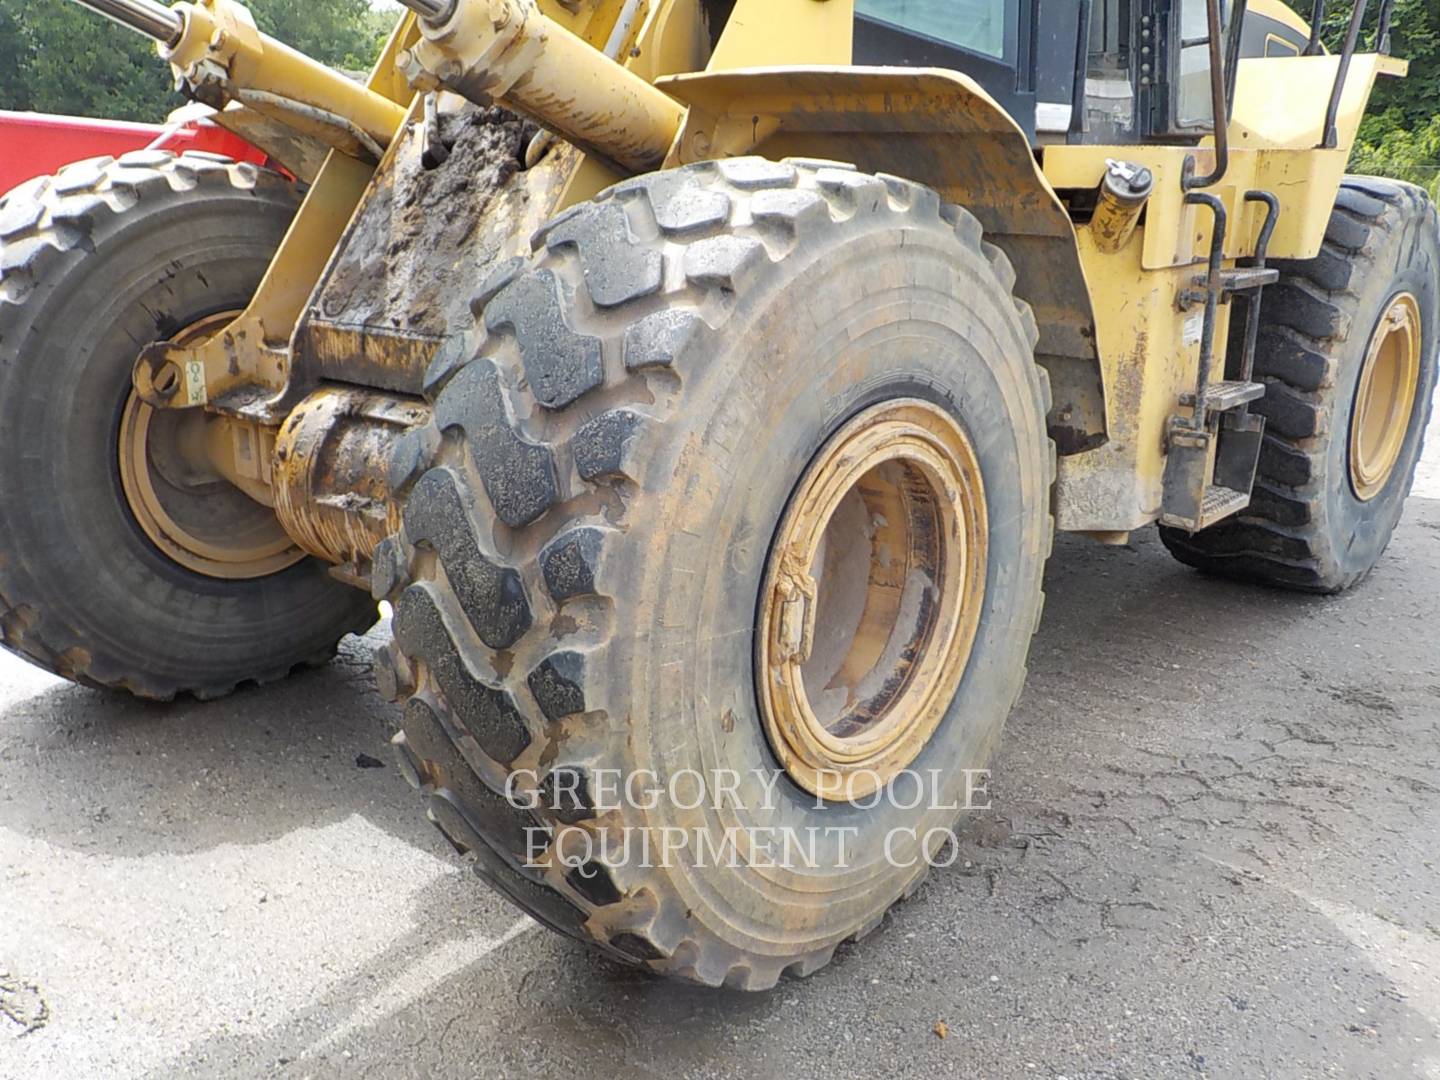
(1070,70)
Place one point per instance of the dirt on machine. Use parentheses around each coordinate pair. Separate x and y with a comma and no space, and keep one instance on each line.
(399,264)
(702,384)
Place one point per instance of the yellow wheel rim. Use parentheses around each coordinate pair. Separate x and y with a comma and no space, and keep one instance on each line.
(1385,399)
(194,516)
(872,599)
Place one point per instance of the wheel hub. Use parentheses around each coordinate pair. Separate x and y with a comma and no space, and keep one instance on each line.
(872,599)
(1385,399)
(186,506)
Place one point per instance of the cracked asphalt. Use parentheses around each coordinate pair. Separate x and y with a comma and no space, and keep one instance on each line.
(1213,853)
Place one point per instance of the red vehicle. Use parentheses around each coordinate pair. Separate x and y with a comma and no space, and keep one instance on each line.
(38,144)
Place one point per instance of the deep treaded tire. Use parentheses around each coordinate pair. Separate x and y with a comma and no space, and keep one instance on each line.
(94,263)
(1307,529)
(588,523)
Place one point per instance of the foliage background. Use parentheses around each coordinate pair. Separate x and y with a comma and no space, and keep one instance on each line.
(58,57)
(1401,135)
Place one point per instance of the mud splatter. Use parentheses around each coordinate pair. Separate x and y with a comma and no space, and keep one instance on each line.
(1364,699)
(23,1009)
(398,270)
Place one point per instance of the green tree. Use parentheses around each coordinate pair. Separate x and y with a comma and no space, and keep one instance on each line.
(13,92)
(1415,36)
(1389,146)
(71,61)
(1401,135)
(347,34)
(58,57)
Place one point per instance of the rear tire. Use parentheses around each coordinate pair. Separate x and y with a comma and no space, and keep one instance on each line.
(585,544)
(1314,525)
(94,263)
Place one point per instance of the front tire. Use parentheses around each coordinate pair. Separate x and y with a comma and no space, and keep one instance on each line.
(587,546)
(95,263)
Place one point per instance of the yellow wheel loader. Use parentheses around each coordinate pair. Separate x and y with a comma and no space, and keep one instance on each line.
(703,383)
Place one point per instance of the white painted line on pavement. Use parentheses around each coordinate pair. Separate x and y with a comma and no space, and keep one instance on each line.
(1427,475)
(1411,960)
(419,979)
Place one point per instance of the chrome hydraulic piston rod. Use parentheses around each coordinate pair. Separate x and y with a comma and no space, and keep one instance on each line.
(147,17)
(434,10)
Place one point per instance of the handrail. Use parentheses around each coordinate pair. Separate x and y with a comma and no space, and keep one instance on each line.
(1259,261)
(1219,104)
(1232,56)
(1382,34)
(1352,41)
(1079,117)
(1213,273)
(1317,26)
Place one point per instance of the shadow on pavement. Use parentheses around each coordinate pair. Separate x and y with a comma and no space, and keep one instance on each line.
(91,770)
(1212,853)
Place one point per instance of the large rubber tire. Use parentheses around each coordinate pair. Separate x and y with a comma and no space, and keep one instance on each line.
(577,580)
(1307,529)
(94,263)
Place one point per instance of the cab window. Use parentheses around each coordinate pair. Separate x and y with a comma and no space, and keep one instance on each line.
(975,25)
(1275,46)
(1193,106)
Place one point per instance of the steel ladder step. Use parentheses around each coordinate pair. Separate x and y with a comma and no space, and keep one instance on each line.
(1245,278)
(1221,503)
(1224,396)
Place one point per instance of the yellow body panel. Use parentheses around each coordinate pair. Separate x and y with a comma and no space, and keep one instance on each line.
(674,40)
(935,127)
(1117,310)
(763,33)
(253,349)
(1120,349)
(1274,147)
(1149,348)
(1150,352)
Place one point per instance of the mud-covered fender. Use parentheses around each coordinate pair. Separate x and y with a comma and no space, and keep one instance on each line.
(941,129)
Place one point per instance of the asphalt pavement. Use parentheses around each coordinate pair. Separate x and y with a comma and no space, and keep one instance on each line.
(1214,852)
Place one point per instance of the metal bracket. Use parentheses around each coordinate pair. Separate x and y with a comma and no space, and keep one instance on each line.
(796,596)
(1219,103)
(246,369)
